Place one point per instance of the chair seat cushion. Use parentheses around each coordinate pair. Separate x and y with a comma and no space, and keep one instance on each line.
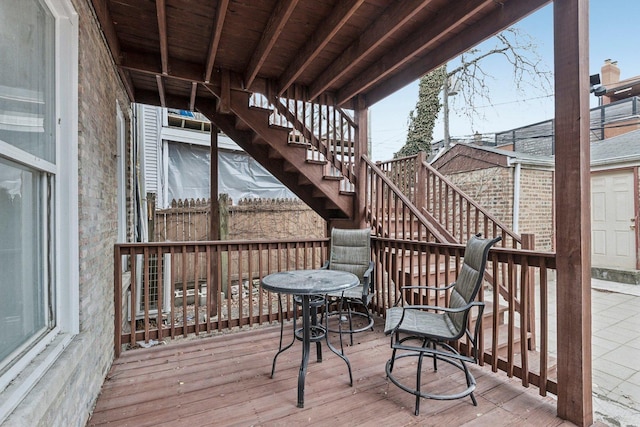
(419,322)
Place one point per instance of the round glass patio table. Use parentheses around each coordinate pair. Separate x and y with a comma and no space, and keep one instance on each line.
(308,285)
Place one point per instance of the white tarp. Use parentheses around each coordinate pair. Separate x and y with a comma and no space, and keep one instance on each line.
(239,175)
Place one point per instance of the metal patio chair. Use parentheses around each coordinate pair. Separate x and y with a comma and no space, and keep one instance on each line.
(432,331)
(351,251)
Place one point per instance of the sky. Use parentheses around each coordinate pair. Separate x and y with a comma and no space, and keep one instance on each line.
(613,34)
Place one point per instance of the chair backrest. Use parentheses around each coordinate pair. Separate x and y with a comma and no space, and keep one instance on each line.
(470,278)
(350,251)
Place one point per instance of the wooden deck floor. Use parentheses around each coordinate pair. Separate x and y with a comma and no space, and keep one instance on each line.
(224,380)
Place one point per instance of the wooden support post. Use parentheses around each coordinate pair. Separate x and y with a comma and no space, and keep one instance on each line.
(573,208)
(151,216)
(361,148)
(214,221)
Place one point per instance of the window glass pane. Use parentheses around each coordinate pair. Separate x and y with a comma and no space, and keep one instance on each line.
(22,305)
(27,114)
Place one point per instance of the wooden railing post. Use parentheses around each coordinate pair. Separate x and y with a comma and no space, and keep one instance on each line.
(360,148)
(529,243)
(420,185)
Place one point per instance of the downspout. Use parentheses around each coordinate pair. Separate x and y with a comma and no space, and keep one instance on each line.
(516,198)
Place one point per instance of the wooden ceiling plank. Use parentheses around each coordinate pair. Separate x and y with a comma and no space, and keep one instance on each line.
(277,21)
(180,70)
(328,28)
(390,21)
(502,17)
(420,41)
(161,11)
(163,102)
(218,24)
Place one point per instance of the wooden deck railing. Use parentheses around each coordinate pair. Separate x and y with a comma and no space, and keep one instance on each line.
(201,287)
(220,291)
(505,342)
(391,213)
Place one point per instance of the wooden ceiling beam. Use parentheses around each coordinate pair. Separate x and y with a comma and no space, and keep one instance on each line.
(328,28)
(180,70)
(160,85)
(218,24)
(192,98)
(390,21)
(419,42)
(161,12)
(274,27)
(171,101)
(503,16)
(108,29)
(145,64)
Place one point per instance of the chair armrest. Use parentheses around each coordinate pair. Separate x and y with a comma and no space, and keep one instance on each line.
(325,265)
(367,280)
(444,309)
(429,288)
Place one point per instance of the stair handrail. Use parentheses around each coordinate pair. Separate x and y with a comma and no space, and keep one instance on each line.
(427,169)
(291,110)
(314,141)
(377,221)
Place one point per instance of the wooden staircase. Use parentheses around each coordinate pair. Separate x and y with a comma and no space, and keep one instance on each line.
(305,172)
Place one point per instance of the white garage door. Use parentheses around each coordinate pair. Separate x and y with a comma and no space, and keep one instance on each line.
(612,220)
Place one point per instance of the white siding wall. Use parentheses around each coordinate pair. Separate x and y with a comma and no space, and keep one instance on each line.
(150,123)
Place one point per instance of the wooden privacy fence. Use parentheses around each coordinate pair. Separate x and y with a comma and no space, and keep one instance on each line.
(505,344)
(189,220)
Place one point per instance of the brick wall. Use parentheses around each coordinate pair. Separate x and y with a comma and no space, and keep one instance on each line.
(493,189)
(536,207)
(67,392)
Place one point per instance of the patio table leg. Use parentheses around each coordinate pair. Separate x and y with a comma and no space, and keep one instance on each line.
(306,347)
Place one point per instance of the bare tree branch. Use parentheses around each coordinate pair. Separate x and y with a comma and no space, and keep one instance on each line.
(473,84)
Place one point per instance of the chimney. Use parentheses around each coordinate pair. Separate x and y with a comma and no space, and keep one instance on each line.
(610,72)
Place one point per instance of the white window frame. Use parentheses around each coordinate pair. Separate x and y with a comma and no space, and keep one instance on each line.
(16,383)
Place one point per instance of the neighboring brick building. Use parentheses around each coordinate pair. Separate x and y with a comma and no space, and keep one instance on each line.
(520,164)
(519,188)
(508,184)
